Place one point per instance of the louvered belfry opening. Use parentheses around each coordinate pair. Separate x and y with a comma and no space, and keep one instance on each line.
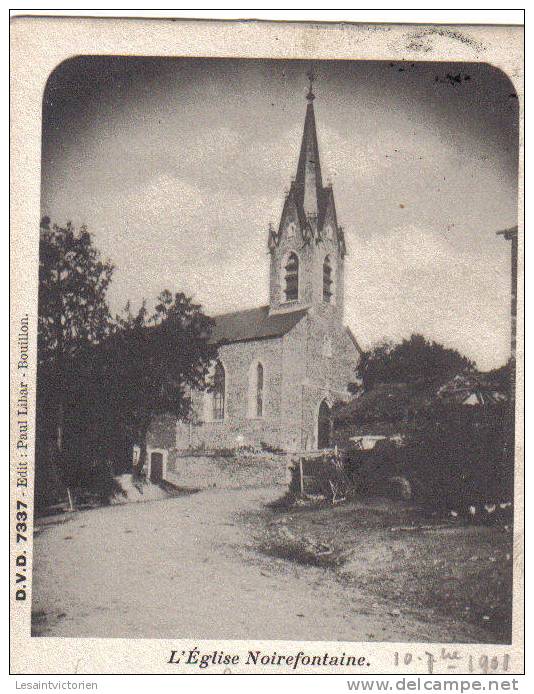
(292,278)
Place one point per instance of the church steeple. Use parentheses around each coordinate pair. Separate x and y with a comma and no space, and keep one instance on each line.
(307,248)
(308,182)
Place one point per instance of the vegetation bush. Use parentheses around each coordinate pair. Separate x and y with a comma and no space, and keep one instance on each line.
(458,455)
(454,456)
(268,448)
(101,483)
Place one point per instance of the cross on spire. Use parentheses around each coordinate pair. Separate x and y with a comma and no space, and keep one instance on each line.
(311,76)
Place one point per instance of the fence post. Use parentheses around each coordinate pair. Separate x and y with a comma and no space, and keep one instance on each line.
(301,476)
(71,505)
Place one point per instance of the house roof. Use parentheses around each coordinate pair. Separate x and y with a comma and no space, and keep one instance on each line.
(353,339)
(393,403)
(386,402)
(472,389)
(253,324)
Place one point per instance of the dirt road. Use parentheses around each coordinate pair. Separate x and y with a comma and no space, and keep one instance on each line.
(187,567)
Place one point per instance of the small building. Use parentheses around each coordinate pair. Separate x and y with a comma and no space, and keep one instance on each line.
(282,366)
(472,389)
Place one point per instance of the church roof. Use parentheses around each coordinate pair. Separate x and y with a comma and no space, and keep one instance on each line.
(253,324)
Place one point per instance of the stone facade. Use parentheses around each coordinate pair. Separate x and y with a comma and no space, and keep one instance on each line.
(240,426)
(307,356)
(321,358)
(312,256)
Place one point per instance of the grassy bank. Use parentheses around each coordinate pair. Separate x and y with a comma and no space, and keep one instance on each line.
(396,553)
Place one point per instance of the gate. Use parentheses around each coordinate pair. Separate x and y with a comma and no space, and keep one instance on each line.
(319,473)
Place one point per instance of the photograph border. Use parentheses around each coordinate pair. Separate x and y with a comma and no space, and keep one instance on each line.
(45,43)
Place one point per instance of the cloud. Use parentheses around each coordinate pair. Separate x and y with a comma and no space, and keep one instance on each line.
(414,280)
(179,179)
(172,234)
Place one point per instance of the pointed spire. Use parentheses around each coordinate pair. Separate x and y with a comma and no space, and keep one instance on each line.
(308,180)
(311,76)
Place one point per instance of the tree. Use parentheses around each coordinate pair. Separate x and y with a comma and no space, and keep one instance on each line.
(73,282)
(503,376)
(416,360)
(73,313)
(150,365)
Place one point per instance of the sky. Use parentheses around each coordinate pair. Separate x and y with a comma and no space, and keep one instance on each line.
(177,166)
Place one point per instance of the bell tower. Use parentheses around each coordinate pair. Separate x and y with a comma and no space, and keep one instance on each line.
(308,247)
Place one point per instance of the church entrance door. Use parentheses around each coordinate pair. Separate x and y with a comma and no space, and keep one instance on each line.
(324,426)
(156,467)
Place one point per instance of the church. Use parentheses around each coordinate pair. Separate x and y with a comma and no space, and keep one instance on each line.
(282,366)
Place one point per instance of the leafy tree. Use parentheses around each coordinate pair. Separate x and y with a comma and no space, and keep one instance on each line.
(73,313)
(503,376)
(73,282)
(150,364)
(101,381)
(416,360)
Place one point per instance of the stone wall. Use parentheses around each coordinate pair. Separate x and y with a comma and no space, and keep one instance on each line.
(228,472)
(294,372)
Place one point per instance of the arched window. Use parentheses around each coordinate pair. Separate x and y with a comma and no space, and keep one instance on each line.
(256,388)
(328,280)
(324,426)
(291,277)
(219,386)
